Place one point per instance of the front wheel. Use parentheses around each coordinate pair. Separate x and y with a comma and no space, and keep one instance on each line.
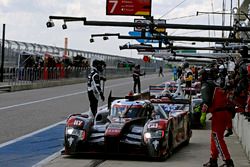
(165,154)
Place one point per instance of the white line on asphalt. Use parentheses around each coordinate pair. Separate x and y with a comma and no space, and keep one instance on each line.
(62,96)
(48,159)
(42,100)
(30,134)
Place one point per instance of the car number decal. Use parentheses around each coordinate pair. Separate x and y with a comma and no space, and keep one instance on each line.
(77,122)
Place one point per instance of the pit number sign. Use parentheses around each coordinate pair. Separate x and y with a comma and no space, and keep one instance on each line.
(128,7)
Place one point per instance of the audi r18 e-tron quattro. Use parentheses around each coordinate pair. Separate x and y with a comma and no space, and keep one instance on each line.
(151,127)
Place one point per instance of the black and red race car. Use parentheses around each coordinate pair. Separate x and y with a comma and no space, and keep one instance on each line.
(143,127)
(172,86)
(179,93)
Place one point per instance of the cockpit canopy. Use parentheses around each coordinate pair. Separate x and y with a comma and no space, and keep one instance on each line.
(126,111)
(130,109)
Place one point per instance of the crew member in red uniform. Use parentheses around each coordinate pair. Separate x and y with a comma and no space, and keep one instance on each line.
(215,101)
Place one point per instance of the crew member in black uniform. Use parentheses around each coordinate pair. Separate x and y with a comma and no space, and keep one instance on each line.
(94,85)
(136,77)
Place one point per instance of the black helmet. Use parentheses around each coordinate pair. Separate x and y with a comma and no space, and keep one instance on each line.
(137,66)
(185,65)
(99,64)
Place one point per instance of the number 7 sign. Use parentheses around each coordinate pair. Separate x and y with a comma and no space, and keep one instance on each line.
(128,7)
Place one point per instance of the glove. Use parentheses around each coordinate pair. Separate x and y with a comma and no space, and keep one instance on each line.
(203,119)
(102,96)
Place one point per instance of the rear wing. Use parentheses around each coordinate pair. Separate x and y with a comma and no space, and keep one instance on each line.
(171,101)
(155,90)
(139,96)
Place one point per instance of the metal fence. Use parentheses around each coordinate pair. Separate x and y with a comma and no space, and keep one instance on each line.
(17,76)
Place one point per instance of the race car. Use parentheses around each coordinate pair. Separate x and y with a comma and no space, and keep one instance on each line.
(172,86)
(129,126)
(196,101)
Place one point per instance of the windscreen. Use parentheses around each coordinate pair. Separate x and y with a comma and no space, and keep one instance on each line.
(126,111)
(159,112)
(162,110)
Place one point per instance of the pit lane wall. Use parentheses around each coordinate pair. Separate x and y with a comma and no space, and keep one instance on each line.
(241,125)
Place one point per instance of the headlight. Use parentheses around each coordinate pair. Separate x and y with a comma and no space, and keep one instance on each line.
(147,135)
(69,130)
(76,132)
(153,135)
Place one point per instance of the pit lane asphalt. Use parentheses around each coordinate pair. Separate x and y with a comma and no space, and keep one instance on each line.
(192,155)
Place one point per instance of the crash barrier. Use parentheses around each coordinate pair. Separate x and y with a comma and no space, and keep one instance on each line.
(241,124)
(5,88)
(31,78)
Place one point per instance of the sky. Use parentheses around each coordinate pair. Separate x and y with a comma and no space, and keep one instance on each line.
(25,21)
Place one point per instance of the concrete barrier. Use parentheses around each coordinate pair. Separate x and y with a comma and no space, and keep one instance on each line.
(5,88)
(45,84)
(241,127)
